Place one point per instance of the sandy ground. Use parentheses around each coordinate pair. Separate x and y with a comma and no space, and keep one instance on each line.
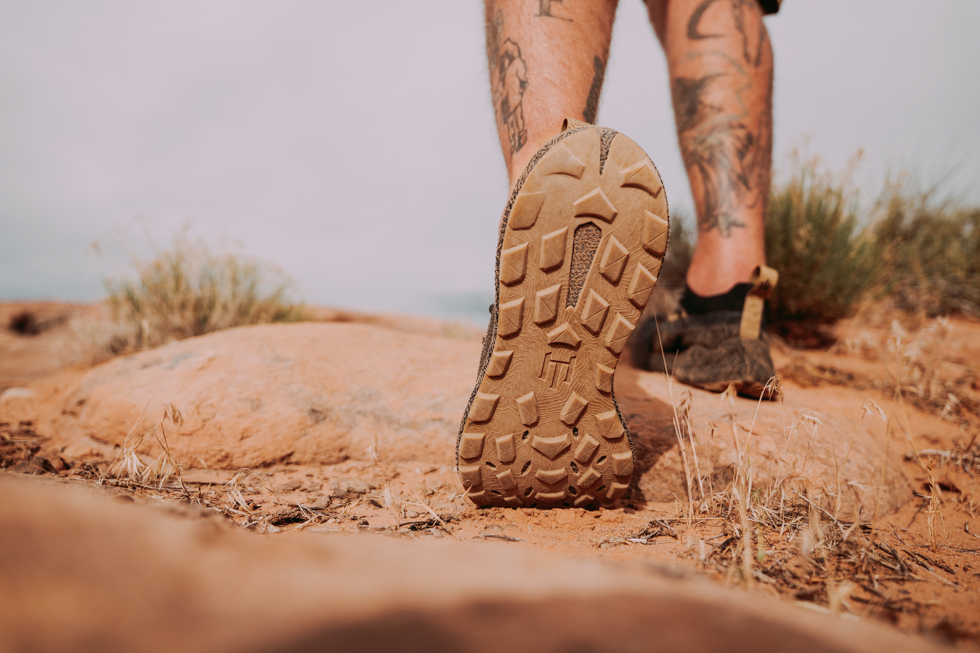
(900,575)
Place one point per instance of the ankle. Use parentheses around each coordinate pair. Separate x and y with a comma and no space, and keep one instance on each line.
(720,263)
(716,280)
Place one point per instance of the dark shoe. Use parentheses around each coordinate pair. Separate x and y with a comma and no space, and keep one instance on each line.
(714,342)
(581,244)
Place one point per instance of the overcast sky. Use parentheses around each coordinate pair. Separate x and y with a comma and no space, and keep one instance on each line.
(353,143)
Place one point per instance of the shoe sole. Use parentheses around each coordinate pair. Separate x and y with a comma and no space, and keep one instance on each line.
(582,242)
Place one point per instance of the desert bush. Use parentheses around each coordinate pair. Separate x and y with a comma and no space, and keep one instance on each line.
(930,250)
(673,273)
(826,258)
(910,248)
(189,290)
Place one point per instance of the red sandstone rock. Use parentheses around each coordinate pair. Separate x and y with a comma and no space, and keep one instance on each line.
(300,393)
(324,393)
(817,443)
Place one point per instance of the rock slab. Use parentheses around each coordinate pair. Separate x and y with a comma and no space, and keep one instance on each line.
(286,393)
(324,393)
(821,446)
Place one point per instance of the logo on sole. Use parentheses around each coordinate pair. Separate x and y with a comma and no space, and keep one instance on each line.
(557,367)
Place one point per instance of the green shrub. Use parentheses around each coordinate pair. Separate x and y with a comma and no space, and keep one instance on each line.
(918,253)
(826,261)
(680,248)
(189,290)
(931,250)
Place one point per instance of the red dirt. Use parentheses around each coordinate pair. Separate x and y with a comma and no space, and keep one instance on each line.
(935,533)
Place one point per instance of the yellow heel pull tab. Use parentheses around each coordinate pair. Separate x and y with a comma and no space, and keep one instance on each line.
(763,280)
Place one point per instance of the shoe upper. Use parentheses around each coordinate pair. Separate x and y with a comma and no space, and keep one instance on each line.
(716,341)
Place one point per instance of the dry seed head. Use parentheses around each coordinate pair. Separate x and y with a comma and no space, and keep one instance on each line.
(898,334)
(773,389)
(127,465)
(951,403)
(870,406)
(160,470)
(809,421)
(234,491)
(862,343)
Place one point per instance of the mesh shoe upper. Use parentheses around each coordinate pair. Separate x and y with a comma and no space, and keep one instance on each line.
(704,345)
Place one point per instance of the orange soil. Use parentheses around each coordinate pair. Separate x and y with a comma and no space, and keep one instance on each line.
(943,600)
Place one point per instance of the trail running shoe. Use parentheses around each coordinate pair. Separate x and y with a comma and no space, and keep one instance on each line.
(582,240)
(714,342)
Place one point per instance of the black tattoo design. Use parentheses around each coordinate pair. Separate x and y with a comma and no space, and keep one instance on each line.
(592,101)
(692,24)
(717,148)
(544,9)
(726,159)
(738,9)
(739,18)
(508,81)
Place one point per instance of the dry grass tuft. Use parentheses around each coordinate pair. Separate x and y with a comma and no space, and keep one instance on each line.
(798,540)
(914,363)
(129,465)
(189,290)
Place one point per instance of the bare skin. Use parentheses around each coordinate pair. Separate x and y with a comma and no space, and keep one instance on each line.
(547,60)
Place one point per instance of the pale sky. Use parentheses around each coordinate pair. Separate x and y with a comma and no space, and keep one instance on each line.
(353,143)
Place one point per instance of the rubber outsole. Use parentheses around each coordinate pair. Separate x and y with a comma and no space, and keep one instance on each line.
(581,245)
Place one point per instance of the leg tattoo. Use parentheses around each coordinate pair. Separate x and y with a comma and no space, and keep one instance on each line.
(592,101)
(508,81)
(693,33)
(545,10)
(726,156)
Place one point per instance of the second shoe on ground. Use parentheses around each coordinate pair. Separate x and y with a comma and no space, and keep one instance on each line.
(714,342)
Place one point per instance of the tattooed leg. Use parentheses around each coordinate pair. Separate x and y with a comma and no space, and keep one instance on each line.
(547,60)
(720,63)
